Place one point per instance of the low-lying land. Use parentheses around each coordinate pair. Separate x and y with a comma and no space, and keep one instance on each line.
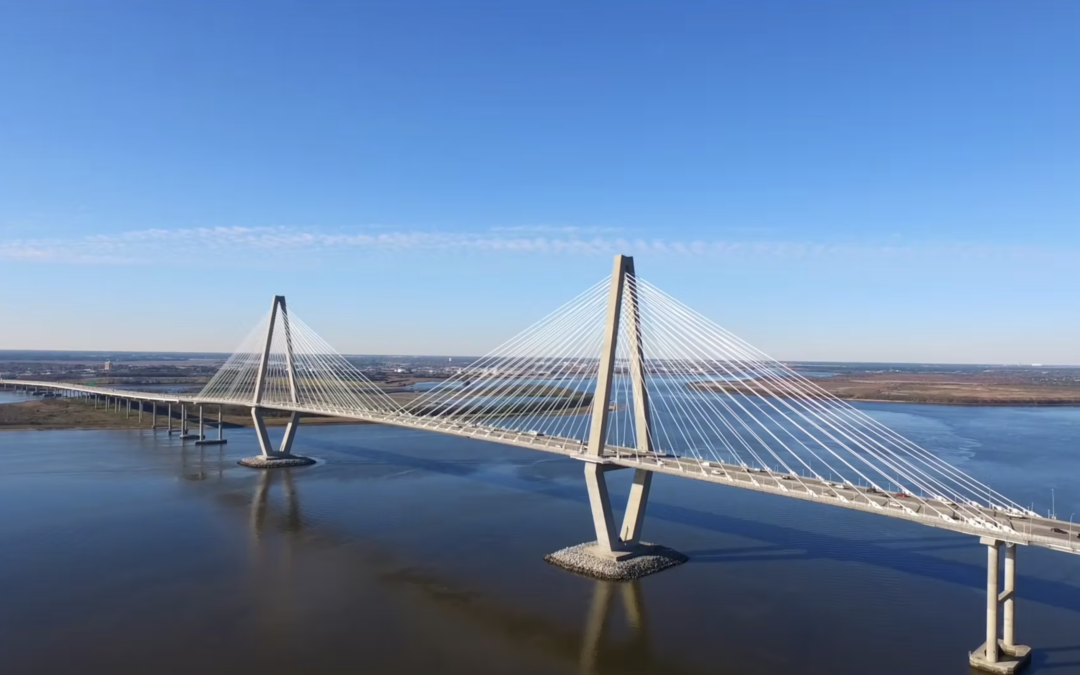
(991,388)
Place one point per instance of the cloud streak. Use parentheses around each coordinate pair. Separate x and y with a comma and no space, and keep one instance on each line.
(155,246)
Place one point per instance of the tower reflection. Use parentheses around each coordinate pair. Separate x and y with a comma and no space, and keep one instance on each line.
(600,650)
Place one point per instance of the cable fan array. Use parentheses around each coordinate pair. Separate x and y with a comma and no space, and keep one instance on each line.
(717,404)
(540,383)
(713,398)
(321,379)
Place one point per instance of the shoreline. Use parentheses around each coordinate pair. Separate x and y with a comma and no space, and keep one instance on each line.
(917,389)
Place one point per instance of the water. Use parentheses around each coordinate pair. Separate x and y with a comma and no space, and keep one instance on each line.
(412,552)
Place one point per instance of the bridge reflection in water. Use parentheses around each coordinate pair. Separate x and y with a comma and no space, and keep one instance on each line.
(613,637)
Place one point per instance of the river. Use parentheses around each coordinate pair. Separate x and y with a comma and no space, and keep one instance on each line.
(410,552)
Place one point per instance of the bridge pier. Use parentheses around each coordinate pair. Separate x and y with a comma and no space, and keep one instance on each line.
(203,440)
(185,433)
(153,415)
(1003,655)
(171,430)
(271,458)
(612,543)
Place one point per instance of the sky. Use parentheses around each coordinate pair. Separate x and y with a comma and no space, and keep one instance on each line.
(851,181)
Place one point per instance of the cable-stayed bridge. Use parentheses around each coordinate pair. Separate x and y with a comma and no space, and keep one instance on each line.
(624,376)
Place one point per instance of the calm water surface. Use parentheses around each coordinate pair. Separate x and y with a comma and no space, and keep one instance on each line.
(408,552)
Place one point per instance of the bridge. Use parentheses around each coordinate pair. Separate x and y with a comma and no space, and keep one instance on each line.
(624,376)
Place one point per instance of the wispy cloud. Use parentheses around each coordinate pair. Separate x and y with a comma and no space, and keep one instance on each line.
(153,246)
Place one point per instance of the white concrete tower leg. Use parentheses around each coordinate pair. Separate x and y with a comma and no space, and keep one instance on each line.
(993,554)
(290,365)
(260,380)
(264,360)
(260,432)
(635,507)
(634,517)
(602,395)
(607,540)
(599,500)
(1010,596)
(290,434)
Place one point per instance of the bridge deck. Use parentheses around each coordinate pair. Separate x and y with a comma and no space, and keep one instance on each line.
(1023,529)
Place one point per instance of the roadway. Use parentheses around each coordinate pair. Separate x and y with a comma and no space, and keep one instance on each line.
(1018,527)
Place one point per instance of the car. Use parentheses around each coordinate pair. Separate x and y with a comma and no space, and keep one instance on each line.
(901,494)
(787,478)
(1058,530)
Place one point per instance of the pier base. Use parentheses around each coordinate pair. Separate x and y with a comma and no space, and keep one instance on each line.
(617,554)
(212,441)
(275,461)
(1011,659)
(282,457)
(641,560)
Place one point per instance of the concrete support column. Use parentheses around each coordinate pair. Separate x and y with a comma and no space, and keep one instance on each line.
(140,412)
(153,415)
(220,429)
(290,434)
(1003,656)
(992,556)
(183,419)
(127,413)
(170,419)
(268,452)
(1010,595)
(202,435)
(635,507)
(607,540)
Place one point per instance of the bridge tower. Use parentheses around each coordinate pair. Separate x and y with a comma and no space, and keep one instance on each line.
(618,552)
(282,456)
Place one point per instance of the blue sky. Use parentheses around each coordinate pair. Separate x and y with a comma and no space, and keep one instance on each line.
(830,180)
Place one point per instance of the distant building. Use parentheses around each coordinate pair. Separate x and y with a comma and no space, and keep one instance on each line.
(108,365)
